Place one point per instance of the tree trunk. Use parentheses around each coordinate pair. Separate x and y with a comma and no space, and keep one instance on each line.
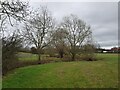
(61,54)
(39,57)
(73,56)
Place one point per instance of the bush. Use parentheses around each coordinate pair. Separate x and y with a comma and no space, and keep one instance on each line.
(88,52)
(10,46)
(33,50)
(66,58)
(88,57)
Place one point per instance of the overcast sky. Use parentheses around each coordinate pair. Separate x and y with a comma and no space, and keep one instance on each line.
(102,16)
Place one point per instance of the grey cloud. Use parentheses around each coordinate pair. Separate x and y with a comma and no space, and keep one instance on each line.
(103,17)
(109,43)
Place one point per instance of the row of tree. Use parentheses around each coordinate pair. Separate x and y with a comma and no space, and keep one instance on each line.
(39,29)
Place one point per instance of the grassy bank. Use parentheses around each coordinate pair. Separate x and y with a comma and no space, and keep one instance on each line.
(84,74)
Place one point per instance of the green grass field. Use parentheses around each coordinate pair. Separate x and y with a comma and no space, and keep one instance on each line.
(80,74)
(33,57)
(27,56)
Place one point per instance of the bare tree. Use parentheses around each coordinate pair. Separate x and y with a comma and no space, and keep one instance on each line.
(59,37)
(38,29)
(10,46)
(77,33)
(14,9)
(88,49)
(10,11)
